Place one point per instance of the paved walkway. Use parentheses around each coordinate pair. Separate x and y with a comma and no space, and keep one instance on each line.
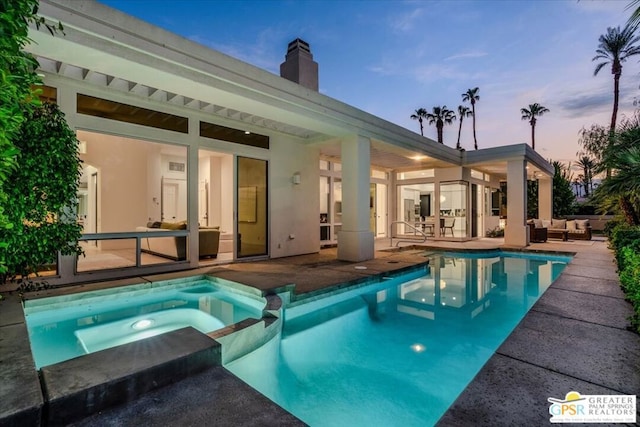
(574,339)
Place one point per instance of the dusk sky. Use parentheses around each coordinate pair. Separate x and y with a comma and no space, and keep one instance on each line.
(391,57)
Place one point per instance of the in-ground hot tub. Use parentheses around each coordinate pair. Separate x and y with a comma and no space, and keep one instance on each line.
(69,326)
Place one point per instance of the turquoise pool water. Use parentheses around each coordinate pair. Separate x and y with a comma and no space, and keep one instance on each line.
(64,327)
(397,353)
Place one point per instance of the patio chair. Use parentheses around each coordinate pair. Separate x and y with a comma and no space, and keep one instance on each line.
(449,223)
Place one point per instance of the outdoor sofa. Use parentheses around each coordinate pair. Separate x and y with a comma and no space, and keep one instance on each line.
(576,229)
(175,247)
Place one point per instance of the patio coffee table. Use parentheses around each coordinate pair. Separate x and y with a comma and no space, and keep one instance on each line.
(558,234)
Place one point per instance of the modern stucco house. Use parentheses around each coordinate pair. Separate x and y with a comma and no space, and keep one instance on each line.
(173,131)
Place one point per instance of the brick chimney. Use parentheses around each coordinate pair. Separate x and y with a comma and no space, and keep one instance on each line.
(299,66)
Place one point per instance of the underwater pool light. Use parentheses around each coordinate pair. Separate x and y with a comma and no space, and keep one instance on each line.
(143,324)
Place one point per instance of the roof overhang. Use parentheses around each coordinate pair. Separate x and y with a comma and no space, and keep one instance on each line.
(104,46)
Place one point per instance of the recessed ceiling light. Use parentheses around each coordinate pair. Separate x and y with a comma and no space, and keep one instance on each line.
(246,132)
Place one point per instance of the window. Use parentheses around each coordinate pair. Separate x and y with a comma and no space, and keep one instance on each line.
(424,173)
(112,110)
(223,133)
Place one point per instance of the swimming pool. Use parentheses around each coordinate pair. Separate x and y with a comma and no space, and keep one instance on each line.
(398,352)
(63,327)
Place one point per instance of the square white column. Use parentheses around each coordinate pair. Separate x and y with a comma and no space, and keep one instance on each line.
(545,198)
(355,240)
(516,233)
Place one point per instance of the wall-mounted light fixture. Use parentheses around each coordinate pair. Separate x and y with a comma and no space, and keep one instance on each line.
(296,179)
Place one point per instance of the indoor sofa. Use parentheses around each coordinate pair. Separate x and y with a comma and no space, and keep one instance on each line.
(175,247)
(576,229)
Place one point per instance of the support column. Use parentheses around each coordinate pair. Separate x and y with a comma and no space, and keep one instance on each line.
(192,193)
(67,102)
(516,233)
(545,198)
(355,240)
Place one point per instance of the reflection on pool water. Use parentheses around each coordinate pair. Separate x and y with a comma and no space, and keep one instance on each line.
(61,328)
(398,352)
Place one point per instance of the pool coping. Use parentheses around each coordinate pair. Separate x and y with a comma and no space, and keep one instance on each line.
(509,389)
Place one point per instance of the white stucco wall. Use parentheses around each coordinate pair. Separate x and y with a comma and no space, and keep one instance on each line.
(126,209)
(294,207)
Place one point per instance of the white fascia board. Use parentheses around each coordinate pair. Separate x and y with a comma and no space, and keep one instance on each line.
(506,153)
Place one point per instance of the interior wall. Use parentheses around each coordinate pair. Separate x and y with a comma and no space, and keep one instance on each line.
(294,207)
(119,210)
(226,180)
(153,183)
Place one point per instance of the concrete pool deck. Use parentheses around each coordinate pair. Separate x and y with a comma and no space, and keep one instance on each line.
(573,339)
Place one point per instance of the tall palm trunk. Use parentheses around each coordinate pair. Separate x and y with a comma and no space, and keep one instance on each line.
(440,127)
(533,134)
(630,214)
(616,98)
(421,127)
(473,116)
(459,132)
(617,72)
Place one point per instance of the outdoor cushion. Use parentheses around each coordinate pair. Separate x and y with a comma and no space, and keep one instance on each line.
(571,225)
(582,224)
(559,224)
(546,223)
(174,225)
(537,223)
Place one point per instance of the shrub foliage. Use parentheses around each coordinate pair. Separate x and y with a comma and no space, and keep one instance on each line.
(625,241)
(42,199)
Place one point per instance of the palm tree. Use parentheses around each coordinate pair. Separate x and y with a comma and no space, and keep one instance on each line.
(471,95)
(441,116)
(420,114)
(530,114)
(614,48)
(624,186)
(634,19)
(587,165)
(463,111)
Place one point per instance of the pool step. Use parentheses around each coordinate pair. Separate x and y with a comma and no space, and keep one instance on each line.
(79,387)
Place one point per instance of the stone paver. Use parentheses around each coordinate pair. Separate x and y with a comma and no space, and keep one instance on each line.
(588,307)
(508,392)
(212,398)
(590,352)
(587,285)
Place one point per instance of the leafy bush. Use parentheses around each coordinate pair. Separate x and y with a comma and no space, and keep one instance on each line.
(630,282)
(42,200)
(496,232)
(625,241)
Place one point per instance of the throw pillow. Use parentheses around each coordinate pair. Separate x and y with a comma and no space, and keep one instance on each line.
(173,225)
(571,225)
(582,224)
(546,223)
(538,223)
(559,224)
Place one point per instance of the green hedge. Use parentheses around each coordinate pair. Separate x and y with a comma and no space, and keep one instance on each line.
(625,241)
